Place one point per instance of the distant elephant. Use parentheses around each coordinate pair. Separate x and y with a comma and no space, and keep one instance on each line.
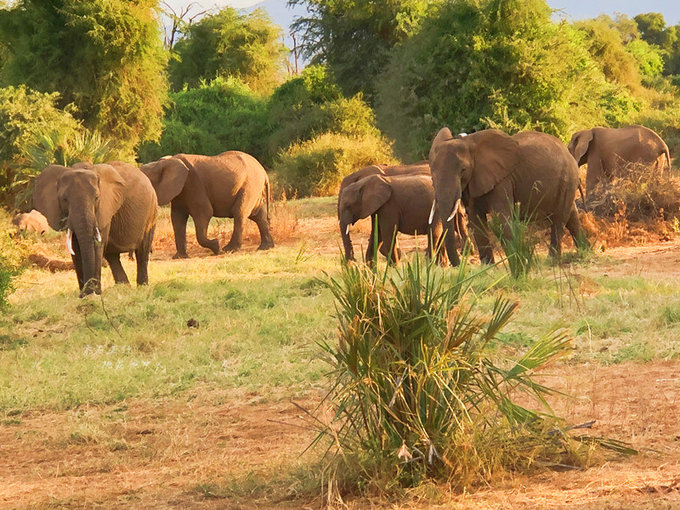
(107,209)
(490,171)
(33,221)
(605,149)
(400,204)
(230,185)
(420,168)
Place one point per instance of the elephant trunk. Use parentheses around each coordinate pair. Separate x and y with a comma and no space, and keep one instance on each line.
(86,244)
(448,201)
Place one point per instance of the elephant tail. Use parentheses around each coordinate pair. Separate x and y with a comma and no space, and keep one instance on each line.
(668,156)
(583,197)
(268,194)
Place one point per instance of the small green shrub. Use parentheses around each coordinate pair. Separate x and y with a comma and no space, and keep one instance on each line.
(517,241)
(415,394)
(316,167)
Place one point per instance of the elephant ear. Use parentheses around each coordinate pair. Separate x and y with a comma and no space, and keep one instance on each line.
(375,191)
(168,176)
(578,146)
(111,193)
(46,197)
(443,136)
(496,155)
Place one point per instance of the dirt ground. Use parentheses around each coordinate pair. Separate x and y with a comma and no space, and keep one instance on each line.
(214,449)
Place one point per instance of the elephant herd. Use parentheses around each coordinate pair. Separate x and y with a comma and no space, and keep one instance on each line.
(489,172)
(109,209)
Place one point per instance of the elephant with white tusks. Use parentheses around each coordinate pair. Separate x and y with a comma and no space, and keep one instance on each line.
(490,171)
(230,185)
(107,209)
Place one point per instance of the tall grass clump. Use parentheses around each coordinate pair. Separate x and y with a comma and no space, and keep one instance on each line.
(517,241)
(415,395)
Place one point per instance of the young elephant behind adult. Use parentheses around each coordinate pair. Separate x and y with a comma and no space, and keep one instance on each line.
(230,185)
(33,221)
(607,149)
(491,171)
(400,204)
(107,209)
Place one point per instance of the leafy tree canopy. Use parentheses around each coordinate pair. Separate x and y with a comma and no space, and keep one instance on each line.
(103,56)
(354,37)
(493,63)
(246,46)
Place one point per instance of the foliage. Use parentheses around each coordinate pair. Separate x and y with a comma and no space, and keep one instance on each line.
(415,394)
(312,104)
(649,59)
(354,37)
(24,116)
(316,167)
(6,275)
(653,29)
(493,63)
(228,43)
(104,56)
(517,241)
(221,115)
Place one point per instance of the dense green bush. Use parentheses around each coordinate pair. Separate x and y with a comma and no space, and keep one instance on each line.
(493,63)
(217,116)
(317,166)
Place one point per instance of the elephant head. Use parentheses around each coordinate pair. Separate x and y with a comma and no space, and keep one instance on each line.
(167,175)
(468,166)
(82,200)
(360,200)
(579,145)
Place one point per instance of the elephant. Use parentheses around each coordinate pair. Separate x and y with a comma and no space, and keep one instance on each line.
(107,209)
(232,184)
(33,221)
(400,204)
(490,171)
(605,149)
(420,168)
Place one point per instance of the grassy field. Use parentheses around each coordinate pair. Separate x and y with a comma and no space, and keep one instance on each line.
(229,340)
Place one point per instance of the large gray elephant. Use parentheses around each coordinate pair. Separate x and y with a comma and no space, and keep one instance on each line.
(607,149)
(400,203)
(107,209)
(456,227)
(490,171)
(230,185)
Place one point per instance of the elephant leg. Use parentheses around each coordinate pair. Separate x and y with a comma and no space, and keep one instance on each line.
(179,219)
(142,256)
(201,221)
(389,247)
(593,175)
(260,219)
(574,227)
(556,230)
(119,275)
(236,240)
(480,231)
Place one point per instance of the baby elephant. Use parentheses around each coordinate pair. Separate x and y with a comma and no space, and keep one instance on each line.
(31,221)
(401,204)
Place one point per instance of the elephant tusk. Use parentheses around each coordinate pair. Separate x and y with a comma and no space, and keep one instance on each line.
(69,242)
(347,230)
(454,211)
(434,204)
(97,235)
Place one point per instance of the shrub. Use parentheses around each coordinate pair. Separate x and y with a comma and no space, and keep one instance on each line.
(517,241)
(13,256)
(316,167)
(221,115)
(414,394)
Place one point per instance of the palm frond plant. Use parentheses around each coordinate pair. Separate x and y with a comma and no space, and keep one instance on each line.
(414,395)
(517,241)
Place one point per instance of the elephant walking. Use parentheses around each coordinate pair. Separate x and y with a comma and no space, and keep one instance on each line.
(422,168)
(230,185)
(399,203)
(606,149)
(490,171)
(108,209)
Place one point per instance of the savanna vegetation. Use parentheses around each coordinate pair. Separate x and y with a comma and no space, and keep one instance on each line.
(410,386)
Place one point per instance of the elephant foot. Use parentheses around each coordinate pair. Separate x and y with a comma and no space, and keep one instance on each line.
(266,246)
(231,248)
(180,256)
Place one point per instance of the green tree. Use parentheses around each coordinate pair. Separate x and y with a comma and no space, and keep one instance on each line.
(246,46)
(354,37)
(103,56)
(652,26)
(493,63)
